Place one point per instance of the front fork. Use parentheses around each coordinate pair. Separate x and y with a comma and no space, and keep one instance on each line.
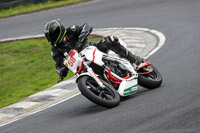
(93,75)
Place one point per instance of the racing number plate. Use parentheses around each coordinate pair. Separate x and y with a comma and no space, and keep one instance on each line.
(72,61)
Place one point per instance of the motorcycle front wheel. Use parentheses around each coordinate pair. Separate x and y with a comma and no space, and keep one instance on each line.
(106,97)
(151,80)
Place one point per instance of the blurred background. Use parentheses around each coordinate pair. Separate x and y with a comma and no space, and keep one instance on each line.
(13,3)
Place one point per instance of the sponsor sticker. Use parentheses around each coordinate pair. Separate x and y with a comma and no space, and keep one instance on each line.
(130,90)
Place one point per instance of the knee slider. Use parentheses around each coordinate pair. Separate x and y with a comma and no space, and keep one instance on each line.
(113,39)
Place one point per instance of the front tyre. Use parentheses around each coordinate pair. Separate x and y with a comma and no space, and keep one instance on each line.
(151,80)
(107,97)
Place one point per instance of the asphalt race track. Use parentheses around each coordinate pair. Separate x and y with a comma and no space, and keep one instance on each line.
(172,108)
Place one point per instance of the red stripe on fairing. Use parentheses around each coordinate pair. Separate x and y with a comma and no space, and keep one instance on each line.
(72,53)
(94,55)
(81,68)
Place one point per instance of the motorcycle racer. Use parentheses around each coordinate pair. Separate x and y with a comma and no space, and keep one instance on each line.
(65,39)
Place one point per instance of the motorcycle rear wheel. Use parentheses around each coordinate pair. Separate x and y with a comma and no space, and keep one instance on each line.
(151,80)
(107,97)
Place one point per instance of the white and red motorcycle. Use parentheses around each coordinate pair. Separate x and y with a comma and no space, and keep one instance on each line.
(103,78)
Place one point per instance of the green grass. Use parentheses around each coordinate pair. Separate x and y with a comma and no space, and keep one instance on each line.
(26,67)
(35,7)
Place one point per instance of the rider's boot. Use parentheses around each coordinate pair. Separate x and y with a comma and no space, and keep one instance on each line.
(118,48)
(125,53)
(112,43)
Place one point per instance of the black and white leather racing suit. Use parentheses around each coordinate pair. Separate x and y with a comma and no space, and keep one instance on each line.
(77,39)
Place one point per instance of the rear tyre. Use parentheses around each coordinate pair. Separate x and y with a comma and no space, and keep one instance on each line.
(152,80)
(107,97)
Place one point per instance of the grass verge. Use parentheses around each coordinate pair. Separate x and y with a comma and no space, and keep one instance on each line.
(27,8)
(26,67)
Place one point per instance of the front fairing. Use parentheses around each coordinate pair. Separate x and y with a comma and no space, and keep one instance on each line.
(92,54)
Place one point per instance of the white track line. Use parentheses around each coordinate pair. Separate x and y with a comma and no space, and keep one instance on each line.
(31,113)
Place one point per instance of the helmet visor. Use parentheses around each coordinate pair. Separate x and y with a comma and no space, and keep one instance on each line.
(48,38)
(52,37)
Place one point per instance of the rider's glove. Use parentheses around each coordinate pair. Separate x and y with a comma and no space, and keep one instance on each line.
(62,72)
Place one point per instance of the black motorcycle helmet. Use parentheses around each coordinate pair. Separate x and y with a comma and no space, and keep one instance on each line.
(55,31)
